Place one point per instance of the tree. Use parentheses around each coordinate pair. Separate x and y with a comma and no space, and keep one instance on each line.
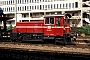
(84,29)
(9,27)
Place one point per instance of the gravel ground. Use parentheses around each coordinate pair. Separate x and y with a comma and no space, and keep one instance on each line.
(47,47)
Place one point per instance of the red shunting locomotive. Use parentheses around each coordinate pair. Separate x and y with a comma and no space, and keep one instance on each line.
(52,28)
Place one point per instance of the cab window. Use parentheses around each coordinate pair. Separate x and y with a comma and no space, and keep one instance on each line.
(49,20)
(57,21)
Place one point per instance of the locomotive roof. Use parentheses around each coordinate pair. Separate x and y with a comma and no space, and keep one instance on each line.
(37,18)
(53,15)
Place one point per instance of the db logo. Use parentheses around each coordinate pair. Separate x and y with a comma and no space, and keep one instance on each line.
(49,27)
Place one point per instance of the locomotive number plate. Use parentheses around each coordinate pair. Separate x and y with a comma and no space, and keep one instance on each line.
(49,27)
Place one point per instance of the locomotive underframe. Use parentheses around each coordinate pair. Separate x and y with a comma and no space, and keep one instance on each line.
(66,38)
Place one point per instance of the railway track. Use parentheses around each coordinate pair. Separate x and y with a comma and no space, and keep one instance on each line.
(79,41)
(72,49)
(78,45)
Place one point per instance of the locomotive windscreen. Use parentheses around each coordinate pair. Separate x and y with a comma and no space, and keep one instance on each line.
(57,21)
(49,20)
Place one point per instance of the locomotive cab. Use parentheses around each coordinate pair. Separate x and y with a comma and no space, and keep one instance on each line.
(54,25)
(57,28)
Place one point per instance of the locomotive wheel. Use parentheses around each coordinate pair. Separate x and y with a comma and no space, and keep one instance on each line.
(42,41)
(65,38)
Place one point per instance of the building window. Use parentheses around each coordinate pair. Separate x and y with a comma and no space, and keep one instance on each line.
(22,8)
(72,5)
(7,8)
(37,1)
(22,1)
(13,2)
(66,5)
(30,7)
(18,8)
(43,0)
(7,2)
(76,4)
(18,1)
(63,6)
(57,6)
(30,1)
(24,15)
(37,7)
(69,5)
(45,7)
(48,6)
(51,6)
(54,6)
(40,7)
(33,1)
(25,8)
(40,0)
(25,1)
(13,8)
(60,5)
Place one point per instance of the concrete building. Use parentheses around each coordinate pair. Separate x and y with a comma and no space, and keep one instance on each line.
(29,9)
